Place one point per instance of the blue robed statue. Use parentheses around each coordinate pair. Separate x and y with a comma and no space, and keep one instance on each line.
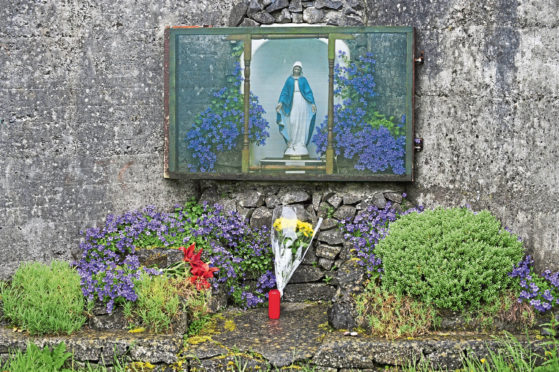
(296,112)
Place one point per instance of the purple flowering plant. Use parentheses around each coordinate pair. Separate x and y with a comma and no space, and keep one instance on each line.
(109,266)
(219,127)
(366,229)
(242,253)
(375,143)
(540,291)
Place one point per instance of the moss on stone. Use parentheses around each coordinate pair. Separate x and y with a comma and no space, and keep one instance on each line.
(195,340)
(230,325)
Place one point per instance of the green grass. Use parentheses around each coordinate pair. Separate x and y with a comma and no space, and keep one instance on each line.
(56,359)
(158,303)
(512,356)
(391,315)
(40,360)
(44,299)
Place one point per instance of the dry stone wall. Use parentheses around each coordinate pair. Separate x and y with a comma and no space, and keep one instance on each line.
(81,113)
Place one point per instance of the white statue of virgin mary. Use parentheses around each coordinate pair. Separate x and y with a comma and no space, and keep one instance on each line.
(296,112)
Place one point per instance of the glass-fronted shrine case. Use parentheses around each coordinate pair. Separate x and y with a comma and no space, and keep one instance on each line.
(314,103)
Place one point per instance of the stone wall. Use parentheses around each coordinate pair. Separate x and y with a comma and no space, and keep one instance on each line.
(81,111)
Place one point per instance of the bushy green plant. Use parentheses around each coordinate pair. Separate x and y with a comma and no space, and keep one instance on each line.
(391,316)
(45,299)
(452,258)
(35,359)
(157,305)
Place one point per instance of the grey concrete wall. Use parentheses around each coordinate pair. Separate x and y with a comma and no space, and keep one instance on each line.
(81,112)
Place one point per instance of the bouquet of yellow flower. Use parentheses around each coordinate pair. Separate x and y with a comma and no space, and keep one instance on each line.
(303,233)
(291,238)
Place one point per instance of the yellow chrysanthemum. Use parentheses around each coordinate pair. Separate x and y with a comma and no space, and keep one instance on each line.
(305,228)
(284,223)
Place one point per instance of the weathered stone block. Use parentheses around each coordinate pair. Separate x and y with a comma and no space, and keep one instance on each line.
(293,196)
(277,5)
(250,199)
(272,201)
(311,215)
(335,200)
(316,199)
(308,292)
(351,276)
(379,200)
(237,14)
(310,257)
(261,216)
(209,196)
(328,223)
(393,197)
(350,20)
(331,237)
(245,213)
(247,22)
(229,205)
(297,17)
(333,18)
(341,316)
(351,198)
(361,206)
(306,274)
(312,15)
(325,263)
(218,299)
(159,257)
(345,253)
(330,4)
(101,320)
(263,17)
(328,251)
(355,4)
(283,17)
(345,212)
(295,6)
(254,6)
(224,363)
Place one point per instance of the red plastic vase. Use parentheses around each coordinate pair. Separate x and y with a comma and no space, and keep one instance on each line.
(274,301)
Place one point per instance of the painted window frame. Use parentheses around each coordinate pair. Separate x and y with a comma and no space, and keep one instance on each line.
(248,34)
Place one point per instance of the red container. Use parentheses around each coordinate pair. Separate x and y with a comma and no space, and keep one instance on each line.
(274,300)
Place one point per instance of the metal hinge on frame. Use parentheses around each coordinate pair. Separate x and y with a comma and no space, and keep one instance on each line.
(418,144)
(421,58)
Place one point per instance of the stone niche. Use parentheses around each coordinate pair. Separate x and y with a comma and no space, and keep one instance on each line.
(327,273)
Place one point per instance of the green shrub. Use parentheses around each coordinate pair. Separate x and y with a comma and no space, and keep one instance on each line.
(158,303)
(452,258)
(35,359)
(45,299)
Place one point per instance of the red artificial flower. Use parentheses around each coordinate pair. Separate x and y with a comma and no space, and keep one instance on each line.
(210,272)
(199,269)
(189,255)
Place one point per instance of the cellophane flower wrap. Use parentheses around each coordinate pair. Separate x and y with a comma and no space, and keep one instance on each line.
(291,239)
